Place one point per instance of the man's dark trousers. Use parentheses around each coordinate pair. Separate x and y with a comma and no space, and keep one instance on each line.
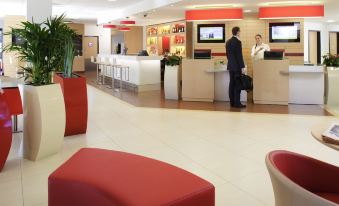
(234,92)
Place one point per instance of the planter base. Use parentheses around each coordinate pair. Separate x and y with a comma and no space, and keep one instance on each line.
(76,105)
(172,82)
(332,86)
(44,121)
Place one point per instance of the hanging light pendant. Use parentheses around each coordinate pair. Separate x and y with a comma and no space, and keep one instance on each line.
(127,22)
(124,29)
(109,26)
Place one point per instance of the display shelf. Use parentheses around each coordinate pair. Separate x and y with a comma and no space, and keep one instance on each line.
(176,31)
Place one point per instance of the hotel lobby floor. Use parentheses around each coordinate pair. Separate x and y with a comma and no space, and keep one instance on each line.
(155,99)
(226,148)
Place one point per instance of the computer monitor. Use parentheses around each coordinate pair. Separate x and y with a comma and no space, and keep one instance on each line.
(202,54)
(273,55)
(143,53)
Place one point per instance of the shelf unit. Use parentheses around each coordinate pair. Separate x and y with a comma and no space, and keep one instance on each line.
(173,36)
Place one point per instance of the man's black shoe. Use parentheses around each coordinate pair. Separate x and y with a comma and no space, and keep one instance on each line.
(239,106)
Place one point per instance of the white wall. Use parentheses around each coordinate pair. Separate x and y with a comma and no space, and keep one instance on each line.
(324,29)
(38,10)
(103,34)
(117,38)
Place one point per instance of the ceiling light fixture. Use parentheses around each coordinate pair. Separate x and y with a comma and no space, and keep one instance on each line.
(124,29)
(290,3)
(111,0)
(247,11)
(109,26)
(216,6)
(126,23)
(330,21)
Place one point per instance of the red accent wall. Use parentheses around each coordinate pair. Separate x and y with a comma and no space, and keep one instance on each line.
(214,14)
(291,11)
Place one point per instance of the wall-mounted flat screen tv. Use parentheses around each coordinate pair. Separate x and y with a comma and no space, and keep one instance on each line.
(285,32)
(17,40)
(211,33)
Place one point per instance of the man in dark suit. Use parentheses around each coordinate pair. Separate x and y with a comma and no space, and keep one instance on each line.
(235,66)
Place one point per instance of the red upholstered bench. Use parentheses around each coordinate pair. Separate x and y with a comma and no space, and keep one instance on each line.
(96,177)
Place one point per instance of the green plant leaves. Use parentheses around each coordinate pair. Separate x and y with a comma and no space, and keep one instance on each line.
(47,47)
(173,60)
(331,60)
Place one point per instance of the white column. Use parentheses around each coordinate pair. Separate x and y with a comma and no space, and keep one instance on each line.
(38,10)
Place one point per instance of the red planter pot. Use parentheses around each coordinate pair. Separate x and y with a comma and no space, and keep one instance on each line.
(5,130)
(75,95)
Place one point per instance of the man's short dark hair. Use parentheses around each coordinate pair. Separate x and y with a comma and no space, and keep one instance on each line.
(235,30)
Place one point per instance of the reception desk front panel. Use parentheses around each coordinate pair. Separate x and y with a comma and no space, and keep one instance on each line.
(197,83)
(271,82)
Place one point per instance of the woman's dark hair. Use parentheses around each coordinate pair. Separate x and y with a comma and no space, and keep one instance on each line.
(258,36)
(235,30)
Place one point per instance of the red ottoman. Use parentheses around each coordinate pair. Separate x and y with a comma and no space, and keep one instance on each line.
(106,178)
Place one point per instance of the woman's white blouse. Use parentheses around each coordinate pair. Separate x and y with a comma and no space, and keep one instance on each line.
(260,54)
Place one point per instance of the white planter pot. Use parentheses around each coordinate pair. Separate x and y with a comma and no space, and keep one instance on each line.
(172,82)
(332,85)
(44,121)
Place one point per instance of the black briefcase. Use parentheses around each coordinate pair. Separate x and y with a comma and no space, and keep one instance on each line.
(244,82)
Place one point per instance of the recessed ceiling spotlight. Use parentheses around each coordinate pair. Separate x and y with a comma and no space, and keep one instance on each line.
(111,0)
(330,21)
(247,11)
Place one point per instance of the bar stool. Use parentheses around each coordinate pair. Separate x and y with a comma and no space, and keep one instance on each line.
(100,66)
(103,69)
(122,70)
(109,66)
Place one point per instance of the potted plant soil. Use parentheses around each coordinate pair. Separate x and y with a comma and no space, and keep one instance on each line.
(44,109)
(73,86)
(172,77)
(331,63)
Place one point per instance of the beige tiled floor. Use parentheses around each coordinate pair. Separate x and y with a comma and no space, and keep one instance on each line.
(225,148)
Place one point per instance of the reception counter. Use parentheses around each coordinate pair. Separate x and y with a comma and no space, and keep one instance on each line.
(221,84)
(306,84)
(271,82)
(197,84)
(201,81)
(277,82)
(144,71)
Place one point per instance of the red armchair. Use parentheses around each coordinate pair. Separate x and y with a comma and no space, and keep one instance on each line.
(300,180)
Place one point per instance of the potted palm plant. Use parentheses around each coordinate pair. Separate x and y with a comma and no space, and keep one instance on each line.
(44,110)
(172,77)
(73,86)
(331,63)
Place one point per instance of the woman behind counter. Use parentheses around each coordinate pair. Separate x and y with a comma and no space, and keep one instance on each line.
(259,48)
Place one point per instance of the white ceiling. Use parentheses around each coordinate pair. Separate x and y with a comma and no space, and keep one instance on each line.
(157,11)
(177,11)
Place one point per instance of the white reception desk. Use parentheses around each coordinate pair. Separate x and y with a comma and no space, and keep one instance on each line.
(144,71)
(306,84)
(221,84)
(277,82)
